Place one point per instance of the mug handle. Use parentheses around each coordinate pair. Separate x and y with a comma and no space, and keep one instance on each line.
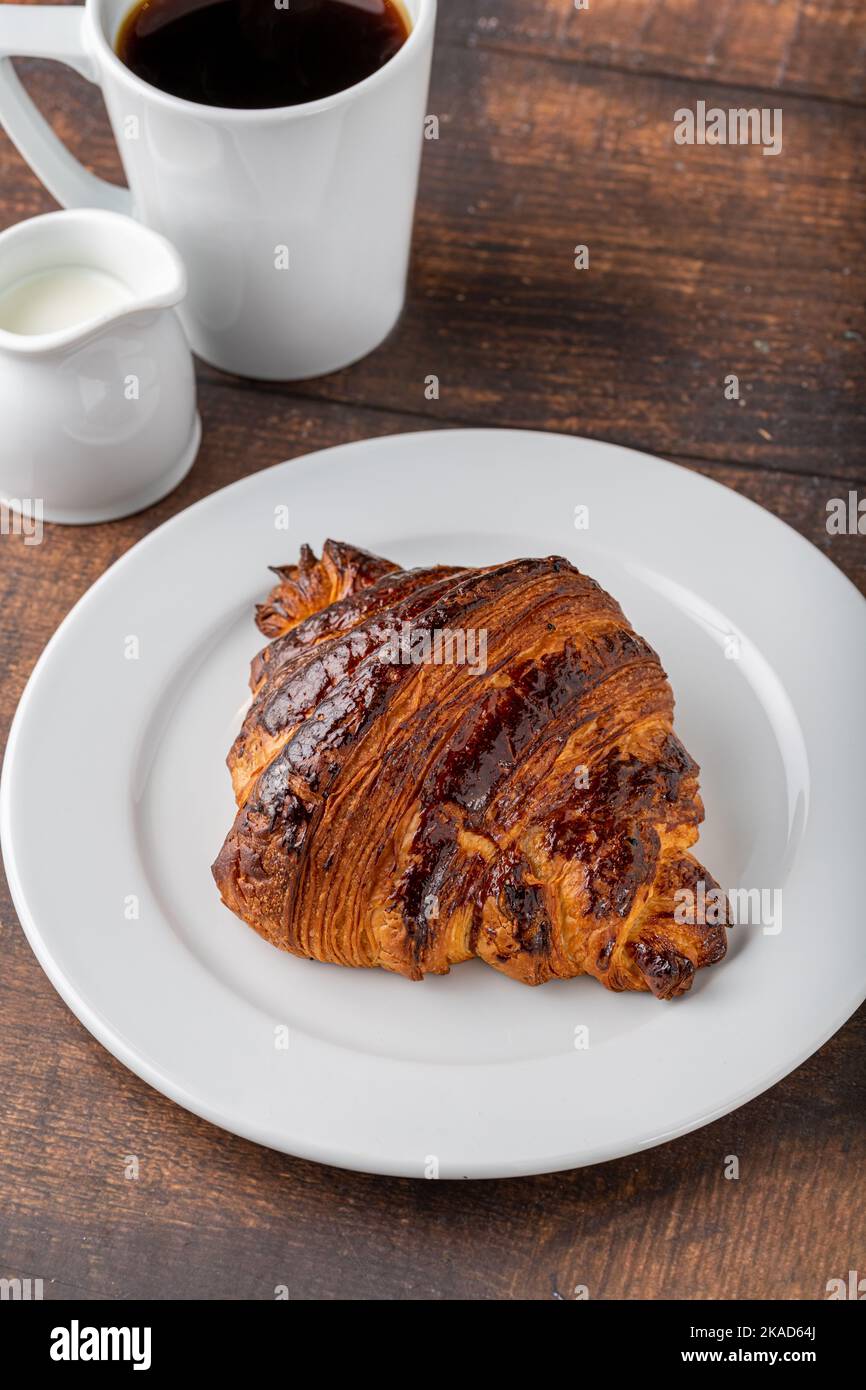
(50,31)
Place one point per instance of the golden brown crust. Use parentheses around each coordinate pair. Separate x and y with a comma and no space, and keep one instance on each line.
(537,814)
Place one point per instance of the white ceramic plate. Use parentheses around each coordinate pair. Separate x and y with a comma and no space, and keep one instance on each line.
(115,790)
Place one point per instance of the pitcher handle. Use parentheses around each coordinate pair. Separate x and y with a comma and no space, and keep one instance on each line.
(50,31)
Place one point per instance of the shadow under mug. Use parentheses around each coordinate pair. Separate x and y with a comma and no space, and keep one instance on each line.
(294,222)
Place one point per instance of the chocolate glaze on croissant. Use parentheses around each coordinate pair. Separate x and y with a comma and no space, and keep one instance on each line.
(537,813)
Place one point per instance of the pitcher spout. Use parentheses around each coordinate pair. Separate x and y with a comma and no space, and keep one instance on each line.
(152,268)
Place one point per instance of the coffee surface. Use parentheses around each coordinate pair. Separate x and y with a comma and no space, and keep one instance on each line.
(251,54)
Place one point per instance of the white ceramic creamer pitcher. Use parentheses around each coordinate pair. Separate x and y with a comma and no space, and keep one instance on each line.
(97,389)
(294,222)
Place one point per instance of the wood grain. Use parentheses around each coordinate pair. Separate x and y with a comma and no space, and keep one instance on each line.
(808,46)
(702,263)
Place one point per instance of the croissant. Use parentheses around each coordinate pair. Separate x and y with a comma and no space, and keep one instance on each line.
(444,763)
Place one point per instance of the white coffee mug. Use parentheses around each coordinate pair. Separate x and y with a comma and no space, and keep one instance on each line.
(294,222)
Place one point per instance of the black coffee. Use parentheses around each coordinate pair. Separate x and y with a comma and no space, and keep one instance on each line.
(250,53)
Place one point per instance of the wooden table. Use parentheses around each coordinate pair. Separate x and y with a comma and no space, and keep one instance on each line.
(556,129)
